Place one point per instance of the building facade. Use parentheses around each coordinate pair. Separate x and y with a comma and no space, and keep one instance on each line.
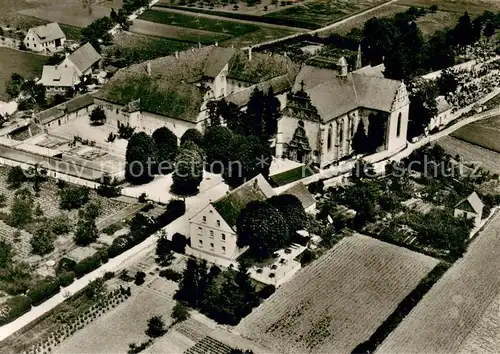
(45,38)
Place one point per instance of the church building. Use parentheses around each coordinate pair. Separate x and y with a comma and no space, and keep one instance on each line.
(327,110)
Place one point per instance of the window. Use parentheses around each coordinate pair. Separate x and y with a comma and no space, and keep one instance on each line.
(200,230)
(223,249)
(329,138)
(211,233)
(204,219)
(212,246)
(398,128)
(200,242)
(218,222)
(223,237)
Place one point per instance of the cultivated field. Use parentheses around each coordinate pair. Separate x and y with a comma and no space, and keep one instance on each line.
(323,12)
(451,311)
(475,7)
(471,154)
(263,34)
(433,22)
(178,33)
(483,133)
(14,61)
(338,301)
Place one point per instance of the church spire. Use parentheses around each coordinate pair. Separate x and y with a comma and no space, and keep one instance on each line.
(359,62)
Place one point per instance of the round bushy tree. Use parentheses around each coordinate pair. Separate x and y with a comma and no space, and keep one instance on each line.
(166,143)
(193,135)
(217,140)
(42,241)
(140,156)
(188,172)
(292,210)
(262,227)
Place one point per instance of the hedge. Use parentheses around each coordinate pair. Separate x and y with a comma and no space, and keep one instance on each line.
(43,290)
(66,278)
(170,274)
(289,22)
(18,305)
(87,265)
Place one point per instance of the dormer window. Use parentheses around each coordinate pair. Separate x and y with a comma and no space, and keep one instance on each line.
(204,219)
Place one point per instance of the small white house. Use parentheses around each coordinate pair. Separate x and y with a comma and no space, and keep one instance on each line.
(48,38)
(471,208)
(213,229)
(84,59)
(444,114)
(58,78)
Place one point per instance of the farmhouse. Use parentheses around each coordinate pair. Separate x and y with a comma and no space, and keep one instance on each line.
(471,208)
(45,38)
(68,73)
(213,229)
(173,91)
(323,112)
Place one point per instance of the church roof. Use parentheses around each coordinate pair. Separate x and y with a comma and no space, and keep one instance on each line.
(334,96)
(230,206)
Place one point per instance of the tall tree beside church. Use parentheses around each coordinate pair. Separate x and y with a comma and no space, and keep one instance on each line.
(166,143)
(193,285)
(217,140)
(464,30)
(405,60)
(423,105)
(378,39)
(140,156)
(376,131)
(261,116)
(360,143)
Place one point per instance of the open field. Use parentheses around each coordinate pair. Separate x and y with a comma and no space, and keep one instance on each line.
(177,33)
(474,7)
(323,13)
(196,22)
(483,133)
(339,300)
(451,311)
(263,34)
(471,154)
(69,12)
(14,61)
(433,22)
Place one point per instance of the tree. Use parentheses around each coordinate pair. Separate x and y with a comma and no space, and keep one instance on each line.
(248,157)
(15,177)
(194,283)
(55,59)
(378,39)
(73,197)
(193,135)
(292,210)
(97,116)
(217,140)
(86,231)
(360,143)
(6,254)
(156,327)
(180,312)
(166,143)
(14,85)
(262,227)
(447,82)
(42,241)
(464,30)
(438,51)
(188,172)
(21,211)
(423,105)
(261,116)
(164,255)
(140,156)
(96,290)
(489,29)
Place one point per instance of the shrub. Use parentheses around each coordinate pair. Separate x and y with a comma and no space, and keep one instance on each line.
(15,177)
(16,306)
(140,277)
(170,274)
(180,312)
(73,197)
(267,291)
(43,290)
(179,243)
(156,327)
(111,229)
(60,225)
(143,198)
(66,278)
(87,265)
(65,265)
(109,275)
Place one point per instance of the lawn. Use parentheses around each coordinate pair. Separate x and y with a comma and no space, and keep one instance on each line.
(14,61)
(321,13)
(177,33)
(292,175)
(198,23)
(338,301)
(484,133)
(452,313)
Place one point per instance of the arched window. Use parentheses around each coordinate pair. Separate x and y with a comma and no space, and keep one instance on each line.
(398,128)
(329,138)
(341,132)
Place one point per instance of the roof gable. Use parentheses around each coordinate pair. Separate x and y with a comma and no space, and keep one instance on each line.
(84,57)
(472,204)
(300,191)
(230,206)
(59,75)
(218,58)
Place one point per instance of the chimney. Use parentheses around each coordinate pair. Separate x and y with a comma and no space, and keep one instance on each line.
(216,44)
(249,53)
(66,54)
(255,183)
(177,54)
(148,68)
(199,45)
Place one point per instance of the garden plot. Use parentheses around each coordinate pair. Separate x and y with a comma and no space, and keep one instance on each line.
(321,13)
(12,61)
(471,154)
(459,308)
(339,300)
(483,133)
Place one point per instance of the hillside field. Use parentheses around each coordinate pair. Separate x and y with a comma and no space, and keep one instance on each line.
(338,301)
(484,133)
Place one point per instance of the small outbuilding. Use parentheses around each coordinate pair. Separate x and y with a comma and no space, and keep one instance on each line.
(307,200)
(470,207)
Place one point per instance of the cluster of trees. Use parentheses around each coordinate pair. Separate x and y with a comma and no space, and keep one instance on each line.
(225,296)
(266,226)
(33,93)
(86,229)
(73,197)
